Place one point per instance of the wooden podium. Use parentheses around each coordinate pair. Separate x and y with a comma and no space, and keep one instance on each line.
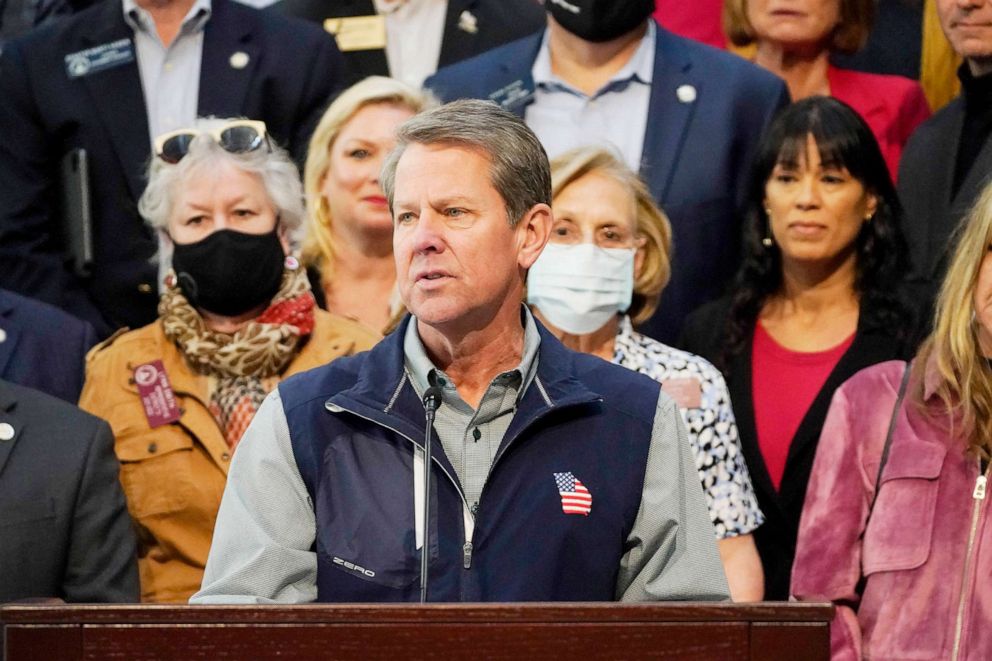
(582,631)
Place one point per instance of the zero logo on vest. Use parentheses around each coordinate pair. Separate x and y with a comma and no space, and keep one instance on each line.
(352,566)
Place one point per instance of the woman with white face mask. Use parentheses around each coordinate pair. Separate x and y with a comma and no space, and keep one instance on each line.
(604,269)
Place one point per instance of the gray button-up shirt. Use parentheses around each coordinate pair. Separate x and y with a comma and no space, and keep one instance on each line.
(615,116)
(471,437)
(170,75)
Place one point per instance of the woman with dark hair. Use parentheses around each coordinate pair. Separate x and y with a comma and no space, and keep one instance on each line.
(815,300)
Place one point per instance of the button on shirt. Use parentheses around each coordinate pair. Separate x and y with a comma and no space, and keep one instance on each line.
(170,75)
(471,437)
(616,116)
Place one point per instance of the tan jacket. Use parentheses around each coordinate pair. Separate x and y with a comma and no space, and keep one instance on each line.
(174,475)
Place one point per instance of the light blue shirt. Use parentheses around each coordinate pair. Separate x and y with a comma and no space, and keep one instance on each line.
(615,116)
(170,75)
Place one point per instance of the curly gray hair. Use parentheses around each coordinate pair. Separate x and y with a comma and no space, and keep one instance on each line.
(276,169)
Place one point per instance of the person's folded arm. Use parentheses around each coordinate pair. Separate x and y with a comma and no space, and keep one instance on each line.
(672,553)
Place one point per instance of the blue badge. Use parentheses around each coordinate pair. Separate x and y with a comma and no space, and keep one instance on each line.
(515,95)
(99,58)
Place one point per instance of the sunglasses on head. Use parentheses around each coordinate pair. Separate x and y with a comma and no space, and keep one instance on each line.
(237,137)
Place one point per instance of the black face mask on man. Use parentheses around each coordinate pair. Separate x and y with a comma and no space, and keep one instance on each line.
(599,20)
(230,273)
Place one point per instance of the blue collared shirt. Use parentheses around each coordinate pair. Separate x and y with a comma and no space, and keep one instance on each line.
(615,116)
(170,75)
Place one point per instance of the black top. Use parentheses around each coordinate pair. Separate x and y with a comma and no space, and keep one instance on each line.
(704,334)
(977,126)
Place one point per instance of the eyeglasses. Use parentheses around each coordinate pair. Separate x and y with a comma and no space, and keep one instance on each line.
(237,137)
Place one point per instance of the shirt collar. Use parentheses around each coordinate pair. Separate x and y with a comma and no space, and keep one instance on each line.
(140,20)
(419,365)
(640,67)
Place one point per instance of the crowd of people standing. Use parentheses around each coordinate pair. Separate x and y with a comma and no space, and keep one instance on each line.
(769,272)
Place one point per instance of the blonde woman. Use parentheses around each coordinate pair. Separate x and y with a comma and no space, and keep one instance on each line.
(348,248)
(603,270)
(905,550)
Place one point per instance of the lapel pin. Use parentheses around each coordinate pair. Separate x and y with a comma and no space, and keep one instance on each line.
(3,336)
(6,431)
(239,60)
(467,22)
(686,93)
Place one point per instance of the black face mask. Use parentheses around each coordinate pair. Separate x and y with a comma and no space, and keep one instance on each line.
(230,273)
(599,20)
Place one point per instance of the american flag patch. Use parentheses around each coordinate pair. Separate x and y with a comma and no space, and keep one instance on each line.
(575,498)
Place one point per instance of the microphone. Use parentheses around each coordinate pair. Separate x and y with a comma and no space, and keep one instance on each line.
(432,400)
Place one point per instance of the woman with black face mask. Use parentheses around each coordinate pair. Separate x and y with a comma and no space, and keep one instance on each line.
(236,316)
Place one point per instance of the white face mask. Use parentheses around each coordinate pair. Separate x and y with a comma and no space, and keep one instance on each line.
(579,287)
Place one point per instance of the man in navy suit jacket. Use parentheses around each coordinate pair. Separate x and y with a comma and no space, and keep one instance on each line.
(42,347)
(76,83)
(706,110)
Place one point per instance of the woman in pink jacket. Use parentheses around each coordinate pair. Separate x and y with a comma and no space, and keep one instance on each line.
(905,551)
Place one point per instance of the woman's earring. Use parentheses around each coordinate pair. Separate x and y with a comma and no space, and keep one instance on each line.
(767,241)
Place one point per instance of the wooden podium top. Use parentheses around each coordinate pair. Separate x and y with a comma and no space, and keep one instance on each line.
(517,631)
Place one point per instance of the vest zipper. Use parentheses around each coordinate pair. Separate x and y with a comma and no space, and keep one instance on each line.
(978,497)
(466,512)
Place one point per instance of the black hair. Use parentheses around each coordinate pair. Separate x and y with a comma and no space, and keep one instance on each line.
(844,141)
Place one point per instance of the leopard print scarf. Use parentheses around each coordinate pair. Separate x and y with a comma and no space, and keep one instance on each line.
(262,348)
(244,366)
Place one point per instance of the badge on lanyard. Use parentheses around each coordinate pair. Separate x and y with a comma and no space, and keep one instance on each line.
(687,393)
(99,58)
(156,394)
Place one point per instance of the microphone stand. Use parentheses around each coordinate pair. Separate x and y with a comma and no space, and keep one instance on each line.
(432,399)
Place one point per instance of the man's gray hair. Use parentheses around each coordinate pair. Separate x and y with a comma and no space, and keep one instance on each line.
(519,169)
(276,169)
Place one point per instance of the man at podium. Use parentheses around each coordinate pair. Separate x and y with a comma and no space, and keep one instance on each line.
(555,476)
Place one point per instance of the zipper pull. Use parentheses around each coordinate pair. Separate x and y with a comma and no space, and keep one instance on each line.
(979,493)
(467,555)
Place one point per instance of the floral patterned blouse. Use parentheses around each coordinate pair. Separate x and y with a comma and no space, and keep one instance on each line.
(701,393)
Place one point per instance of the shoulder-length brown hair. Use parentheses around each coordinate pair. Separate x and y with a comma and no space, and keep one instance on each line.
(850,35)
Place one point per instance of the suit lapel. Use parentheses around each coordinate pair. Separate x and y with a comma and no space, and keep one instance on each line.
(456,43)
(514,80)
(974,182)
(223,86)
(8,415)
(741,396)
(943,208)
(11,331)
(664,138)
(117,96)
(865,350)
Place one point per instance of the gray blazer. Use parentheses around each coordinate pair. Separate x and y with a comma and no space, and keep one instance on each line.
(64,526)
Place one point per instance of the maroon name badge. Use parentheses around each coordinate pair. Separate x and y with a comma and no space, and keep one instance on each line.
(687,392)
(156,394)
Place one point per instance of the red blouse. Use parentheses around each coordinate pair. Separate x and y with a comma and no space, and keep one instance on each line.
(784,384)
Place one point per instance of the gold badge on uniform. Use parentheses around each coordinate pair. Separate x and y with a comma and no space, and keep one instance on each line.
(358,32)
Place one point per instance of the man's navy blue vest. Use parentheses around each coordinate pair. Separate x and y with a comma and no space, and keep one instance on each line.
(354,425)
